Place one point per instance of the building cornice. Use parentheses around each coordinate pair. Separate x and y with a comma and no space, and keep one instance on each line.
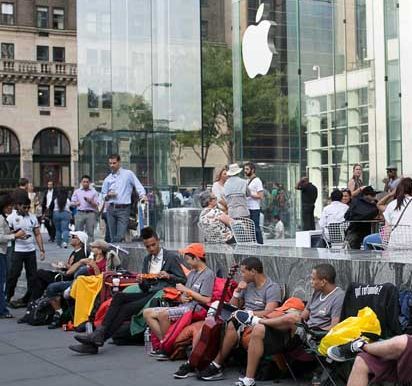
(35,30)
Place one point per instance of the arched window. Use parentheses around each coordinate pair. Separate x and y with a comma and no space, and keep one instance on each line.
(9,158)
(51,158)
(51,141)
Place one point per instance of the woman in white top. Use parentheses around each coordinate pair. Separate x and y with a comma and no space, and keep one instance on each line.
(61,218)
(218,188)
(355,184)
(398,216)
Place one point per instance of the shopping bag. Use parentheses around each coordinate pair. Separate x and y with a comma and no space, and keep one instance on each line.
(351,329)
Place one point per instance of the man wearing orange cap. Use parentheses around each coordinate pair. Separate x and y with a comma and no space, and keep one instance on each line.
(198,290)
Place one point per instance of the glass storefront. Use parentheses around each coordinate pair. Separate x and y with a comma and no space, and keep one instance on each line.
(164,84)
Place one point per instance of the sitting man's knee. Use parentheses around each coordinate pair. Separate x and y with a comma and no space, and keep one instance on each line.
(258,332)
(163,314)
(148,313)
(360,365)
(399,344)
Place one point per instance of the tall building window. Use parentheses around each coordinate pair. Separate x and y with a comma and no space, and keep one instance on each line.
(7,50)
(107,100)
(60,96)
(8,94)
(92,99)
(58,18)
(42,19)
(58,54)
(7,13)
(42,53)
(43,96)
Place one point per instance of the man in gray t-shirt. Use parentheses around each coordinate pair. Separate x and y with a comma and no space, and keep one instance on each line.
(198,290)
(324,308)
(255,292)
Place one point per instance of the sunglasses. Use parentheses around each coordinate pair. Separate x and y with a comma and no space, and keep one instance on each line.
(74,237)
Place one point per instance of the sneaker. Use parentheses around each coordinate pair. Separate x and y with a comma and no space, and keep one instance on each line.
(242,382)
(211,373)
(56,322)
(246,317)
(346,352)
(184,371)
(64,245)
(160,355)
(19,303)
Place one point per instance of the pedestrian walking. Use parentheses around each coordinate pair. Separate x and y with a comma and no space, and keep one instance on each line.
(47,209)
(309,196)
(235,193)
(61,217)
(24,250)
(117,192)
(255,197)
(21,191)
(86,200)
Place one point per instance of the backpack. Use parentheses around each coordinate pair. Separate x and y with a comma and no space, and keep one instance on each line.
(39,312)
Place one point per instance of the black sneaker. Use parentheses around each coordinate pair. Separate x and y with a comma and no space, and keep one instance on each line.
(184,371)
(56,322)
(211,373)
(160,355)
(346,352)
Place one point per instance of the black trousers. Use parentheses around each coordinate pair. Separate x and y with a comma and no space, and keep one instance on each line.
(44,277)
(122,308)
(308,218)
(30,266)
(51,229)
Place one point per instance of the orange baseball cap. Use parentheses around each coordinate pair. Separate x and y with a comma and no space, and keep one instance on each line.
(295,303)
(195,249)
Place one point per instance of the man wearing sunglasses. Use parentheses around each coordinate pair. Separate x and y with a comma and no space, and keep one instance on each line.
(24,250)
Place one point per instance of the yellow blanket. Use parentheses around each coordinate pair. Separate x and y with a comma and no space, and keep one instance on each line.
(84,290)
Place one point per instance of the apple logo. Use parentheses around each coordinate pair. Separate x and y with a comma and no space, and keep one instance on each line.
(258,46)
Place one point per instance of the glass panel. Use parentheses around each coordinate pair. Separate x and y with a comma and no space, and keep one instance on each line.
(7,50)
(60,96)
(58,18)
(7,13)
(8,94)
(9,144)
(58,54)
(51,142)
(43,96)
(42,53)
(393,98)
(42,17)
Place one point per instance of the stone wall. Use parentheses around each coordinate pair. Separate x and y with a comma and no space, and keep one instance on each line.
(292,266)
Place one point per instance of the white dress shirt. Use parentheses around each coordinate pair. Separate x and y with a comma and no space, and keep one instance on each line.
(156,263)
(332,213)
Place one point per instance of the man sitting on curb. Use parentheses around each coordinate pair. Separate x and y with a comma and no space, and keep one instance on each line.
(274,335)
(198,290)
(255,293)
(378,362)
(124,305)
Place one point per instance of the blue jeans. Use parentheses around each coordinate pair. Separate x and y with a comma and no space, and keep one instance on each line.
(374,238)
(61,221)
(118,220)
(3,274)
(255,217)
(57,288)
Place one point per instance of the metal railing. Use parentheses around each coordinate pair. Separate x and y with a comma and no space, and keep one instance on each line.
(38,68)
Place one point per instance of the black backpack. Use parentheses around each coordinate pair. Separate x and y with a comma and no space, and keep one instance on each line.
(39,312)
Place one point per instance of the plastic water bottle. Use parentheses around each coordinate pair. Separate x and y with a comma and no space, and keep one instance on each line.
(89,328)
(315,380)
(147,341)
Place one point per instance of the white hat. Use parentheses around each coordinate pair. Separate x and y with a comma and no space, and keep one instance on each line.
(233,170)
(82,236)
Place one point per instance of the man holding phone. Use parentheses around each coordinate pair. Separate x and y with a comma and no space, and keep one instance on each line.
(24,250)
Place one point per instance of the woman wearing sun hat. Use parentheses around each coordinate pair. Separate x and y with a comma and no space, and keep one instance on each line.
(235,193)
